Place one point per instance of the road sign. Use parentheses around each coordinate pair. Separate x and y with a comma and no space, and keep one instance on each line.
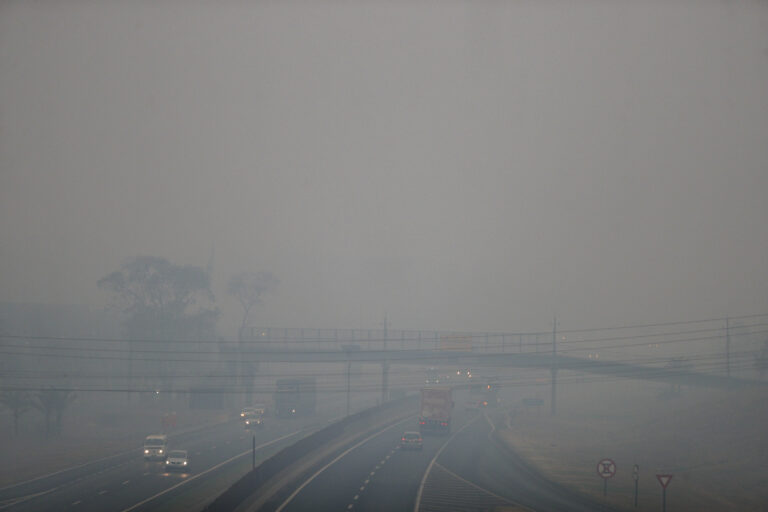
(636,477)
(606,468)
(664,481)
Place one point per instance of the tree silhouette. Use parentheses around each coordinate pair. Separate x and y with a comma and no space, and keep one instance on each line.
(18,402)
(52,403)
(247,288)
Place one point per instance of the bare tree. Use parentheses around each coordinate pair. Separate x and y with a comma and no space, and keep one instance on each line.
(761,360)
(52,403)
(18,402)
(248,288)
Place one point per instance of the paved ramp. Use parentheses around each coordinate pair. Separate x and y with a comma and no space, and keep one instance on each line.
(445,490)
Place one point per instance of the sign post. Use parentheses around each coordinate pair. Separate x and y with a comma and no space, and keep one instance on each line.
(636,477)
(664,481)
(606,468)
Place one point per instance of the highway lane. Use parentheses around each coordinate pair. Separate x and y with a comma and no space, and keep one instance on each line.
(121,485)
(471,472)
(125,482)
(475,457)
(377,475)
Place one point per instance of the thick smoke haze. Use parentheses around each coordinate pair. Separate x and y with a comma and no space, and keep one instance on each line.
(455,165)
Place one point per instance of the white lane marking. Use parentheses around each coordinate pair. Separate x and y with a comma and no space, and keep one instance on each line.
(217,466)
(145,474)
(493,427)
(22,499)
(349,507)
(126,482)
(387,457)
(362,488)
(432,463)
(76,502)
(356,496)
(367,480)
(481,488)
(338,458)
(102,492)
(372,473)
(114,456)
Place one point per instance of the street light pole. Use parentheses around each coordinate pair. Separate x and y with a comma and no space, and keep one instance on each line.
(349,370)
(348,349)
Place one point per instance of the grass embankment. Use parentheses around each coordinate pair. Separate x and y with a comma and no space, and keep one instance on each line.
(714,442)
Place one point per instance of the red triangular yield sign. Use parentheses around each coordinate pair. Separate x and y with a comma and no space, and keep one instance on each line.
(664,480)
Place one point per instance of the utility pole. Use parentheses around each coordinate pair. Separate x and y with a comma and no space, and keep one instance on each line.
(349,371)
(385,367)
(554,363)
(727,347)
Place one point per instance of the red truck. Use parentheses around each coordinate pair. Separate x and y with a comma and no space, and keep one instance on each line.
(435,410)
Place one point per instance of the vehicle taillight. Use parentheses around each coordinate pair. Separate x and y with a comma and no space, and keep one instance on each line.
(403,439)
(444,424)
(422,423)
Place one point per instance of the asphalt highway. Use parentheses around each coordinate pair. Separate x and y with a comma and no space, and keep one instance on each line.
(219,455)
(465,471)
(129,482)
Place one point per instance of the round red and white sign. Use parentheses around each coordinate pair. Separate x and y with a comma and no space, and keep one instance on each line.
(606,468)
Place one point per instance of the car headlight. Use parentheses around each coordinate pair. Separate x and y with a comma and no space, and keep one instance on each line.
(167,462)
(185,463)
(146,451)
(160,451)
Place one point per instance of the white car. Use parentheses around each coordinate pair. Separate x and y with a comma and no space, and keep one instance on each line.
(259,409)
(177,460)
(155,447)
(254,421)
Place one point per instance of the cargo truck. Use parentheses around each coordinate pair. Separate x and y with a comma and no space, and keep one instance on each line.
(435,410)
(295,397)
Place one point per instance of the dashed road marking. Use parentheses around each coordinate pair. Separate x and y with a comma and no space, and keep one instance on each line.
(76,502)
(102,492)
(362,488)
(145,474)
(213,468)
(126,482)
(367,480)
(356,496)
(349,507)
(339,457)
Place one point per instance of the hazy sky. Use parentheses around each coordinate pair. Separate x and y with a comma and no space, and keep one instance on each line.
(458,165)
